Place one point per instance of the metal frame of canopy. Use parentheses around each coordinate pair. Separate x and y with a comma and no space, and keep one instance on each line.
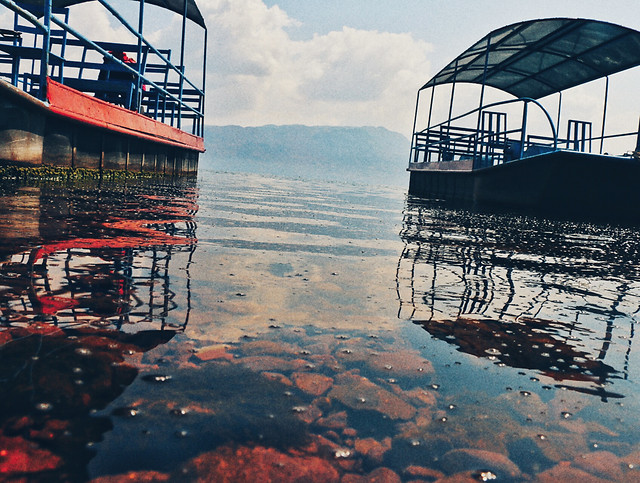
(534,59)
(173,101)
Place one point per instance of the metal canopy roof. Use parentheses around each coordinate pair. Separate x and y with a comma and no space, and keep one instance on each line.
(539,57)
(193,13)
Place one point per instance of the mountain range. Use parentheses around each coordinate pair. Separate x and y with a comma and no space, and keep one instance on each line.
(367,155)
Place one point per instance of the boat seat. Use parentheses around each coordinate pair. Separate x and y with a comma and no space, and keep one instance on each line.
(114,91)
(8,34)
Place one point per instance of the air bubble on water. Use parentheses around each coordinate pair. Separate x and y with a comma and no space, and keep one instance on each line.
(484,475)
(44,407)
(342,453)
(159,378)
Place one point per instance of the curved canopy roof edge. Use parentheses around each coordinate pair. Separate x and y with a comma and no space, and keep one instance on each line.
(177,6)
(540,57)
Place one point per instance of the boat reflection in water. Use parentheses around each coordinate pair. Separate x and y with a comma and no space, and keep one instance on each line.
(87,285)
(558,298)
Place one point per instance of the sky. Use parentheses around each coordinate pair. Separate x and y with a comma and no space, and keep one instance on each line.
(352,62)
(334,62)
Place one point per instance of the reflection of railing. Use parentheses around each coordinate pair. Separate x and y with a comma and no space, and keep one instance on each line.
(153,84)
(97,286)
(537,297)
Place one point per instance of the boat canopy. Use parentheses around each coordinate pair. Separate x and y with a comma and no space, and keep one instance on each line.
(540,57)
(193,13)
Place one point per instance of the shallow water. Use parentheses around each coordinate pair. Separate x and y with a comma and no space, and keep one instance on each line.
(247,327)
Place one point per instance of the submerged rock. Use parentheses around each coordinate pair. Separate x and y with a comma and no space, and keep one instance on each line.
(314,384)
(459,460)
(229,464)
(358,392)
(565,472)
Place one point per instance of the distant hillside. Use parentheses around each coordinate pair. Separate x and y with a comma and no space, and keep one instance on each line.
(371,155)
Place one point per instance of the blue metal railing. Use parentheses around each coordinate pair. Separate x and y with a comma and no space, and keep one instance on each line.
(444,142)
(163,91)
(488,147)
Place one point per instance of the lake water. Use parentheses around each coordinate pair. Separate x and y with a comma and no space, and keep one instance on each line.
(245,327)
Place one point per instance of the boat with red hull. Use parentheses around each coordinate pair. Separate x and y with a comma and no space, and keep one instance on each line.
(67,100)
(476,157)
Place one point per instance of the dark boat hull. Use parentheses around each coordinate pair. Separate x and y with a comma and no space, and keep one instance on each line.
(76,130)
(560,181)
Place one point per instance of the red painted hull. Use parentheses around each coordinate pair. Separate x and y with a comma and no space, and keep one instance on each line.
(83,108)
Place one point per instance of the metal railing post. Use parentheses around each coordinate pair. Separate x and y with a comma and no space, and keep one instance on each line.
(46,46)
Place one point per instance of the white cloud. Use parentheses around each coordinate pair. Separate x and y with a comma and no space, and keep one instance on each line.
(259,75)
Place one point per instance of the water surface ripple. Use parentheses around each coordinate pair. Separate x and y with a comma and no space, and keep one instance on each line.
(253,328)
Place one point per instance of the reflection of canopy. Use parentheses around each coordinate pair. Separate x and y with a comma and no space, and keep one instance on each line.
(539,57)
(193,13)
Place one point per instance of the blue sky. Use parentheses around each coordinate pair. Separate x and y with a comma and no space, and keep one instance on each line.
(353,62)
(341,62)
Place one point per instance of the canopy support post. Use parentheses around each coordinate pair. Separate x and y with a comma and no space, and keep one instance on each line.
(559,111)
(184,29)
(46,47)
(204,84)
(523,138)
(453,90)
(138,101)
(484,80)
(413,135)
(604,111)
